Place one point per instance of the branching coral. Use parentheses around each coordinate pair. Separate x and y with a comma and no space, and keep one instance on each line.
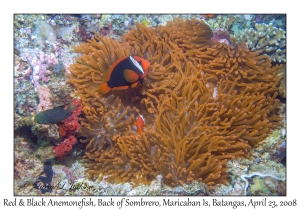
(268,38)
(203,104)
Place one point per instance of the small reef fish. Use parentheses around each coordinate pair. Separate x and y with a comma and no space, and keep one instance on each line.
(44,182)
(140,123)
(55,115)
(125,72)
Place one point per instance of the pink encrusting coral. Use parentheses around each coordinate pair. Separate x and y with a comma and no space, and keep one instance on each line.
(41,65)
(84,34)
(221,35)
(44,98)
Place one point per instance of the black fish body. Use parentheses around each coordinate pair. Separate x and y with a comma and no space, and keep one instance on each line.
(52,116)
(125,72)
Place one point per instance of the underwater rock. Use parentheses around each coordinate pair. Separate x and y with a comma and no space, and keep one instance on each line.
(45,33)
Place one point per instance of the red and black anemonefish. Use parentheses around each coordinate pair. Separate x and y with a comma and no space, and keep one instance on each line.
(125,72)
(140,123)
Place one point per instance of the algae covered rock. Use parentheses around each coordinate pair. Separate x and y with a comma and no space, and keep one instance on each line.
(44,33)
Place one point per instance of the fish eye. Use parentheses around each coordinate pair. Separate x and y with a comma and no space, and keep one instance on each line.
(140,62)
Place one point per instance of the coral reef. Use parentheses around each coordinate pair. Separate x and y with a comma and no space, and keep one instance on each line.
(246,180)
(207,16)
(259,187)
(40,65)
(35,63)
(84,35)
(25,98)
(261,173)
(280,153)
(269,39)
(237,23)
(278,20)
(203,104)
(179,61)
(193,189)
(44,98)
(27,167)
(44,34)
(42,51)
(221,21)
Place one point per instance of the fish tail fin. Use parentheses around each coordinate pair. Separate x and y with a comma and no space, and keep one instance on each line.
(140,131)
(72,105)
(103,88)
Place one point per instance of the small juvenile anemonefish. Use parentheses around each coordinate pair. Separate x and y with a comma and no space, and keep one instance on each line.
(125,72)
(140,123)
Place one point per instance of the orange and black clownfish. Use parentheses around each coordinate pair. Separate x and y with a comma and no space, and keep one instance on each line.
(140,123)
(125,72)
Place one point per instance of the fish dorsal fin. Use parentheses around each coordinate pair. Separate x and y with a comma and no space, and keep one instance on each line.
(130,76)
(137,64)
(107,74)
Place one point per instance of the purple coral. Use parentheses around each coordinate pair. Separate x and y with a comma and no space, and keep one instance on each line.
(44,98)
(40,65)
(84,34)
(280,153)
(221,35)
(43,73)
(259,18)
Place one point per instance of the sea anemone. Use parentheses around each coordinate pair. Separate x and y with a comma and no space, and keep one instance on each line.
(203,102)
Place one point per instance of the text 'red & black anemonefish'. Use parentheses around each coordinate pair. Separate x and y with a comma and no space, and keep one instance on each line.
(125,72)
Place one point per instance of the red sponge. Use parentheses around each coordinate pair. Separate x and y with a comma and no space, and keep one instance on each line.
(70,125)
(63,148)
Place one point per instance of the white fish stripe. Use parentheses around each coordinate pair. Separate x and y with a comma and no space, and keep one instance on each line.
(142,118)
(137,64)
